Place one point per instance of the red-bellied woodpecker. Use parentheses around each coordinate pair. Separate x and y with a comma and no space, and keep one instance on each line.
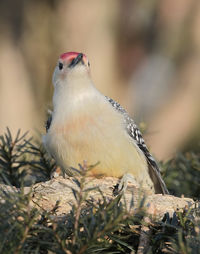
(87,126)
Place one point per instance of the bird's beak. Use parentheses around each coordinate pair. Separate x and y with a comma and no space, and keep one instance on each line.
(76,60)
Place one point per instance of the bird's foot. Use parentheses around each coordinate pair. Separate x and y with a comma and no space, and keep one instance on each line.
(56,172)
(121,186)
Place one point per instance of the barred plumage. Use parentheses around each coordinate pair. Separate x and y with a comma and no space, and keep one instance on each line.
(135,133)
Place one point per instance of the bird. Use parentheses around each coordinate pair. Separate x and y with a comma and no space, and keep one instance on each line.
(86,125)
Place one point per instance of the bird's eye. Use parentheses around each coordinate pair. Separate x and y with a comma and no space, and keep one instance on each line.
(60,66)
(88,64)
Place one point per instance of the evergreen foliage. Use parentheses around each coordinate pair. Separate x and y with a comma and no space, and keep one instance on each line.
(19,157)
(105,226)
(182,174)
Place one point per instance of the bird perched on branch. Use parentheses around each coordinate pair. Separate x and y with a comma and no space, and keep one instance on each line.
(87,126)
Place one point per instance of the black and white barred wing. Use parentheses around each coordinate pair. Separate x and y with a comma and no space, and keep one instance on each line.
(49,120)
(136,135)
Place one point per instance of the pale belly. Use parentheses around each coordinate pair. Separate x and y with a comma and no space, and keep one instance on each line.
(101,140)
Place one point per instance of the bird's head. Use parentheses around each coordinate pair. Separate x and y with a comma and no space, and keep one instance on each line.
(71,64)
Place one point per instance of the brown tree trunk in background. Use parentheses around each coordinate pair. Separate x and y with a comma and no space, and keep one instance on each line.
(17,108)
(176,122)
(90,27)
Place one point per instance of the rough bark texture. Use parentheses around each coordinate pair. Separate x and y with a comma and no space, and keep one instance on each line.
(46,194)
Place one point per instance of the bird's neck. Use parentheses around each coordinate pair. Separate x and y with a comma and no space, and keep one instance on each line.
(73,96)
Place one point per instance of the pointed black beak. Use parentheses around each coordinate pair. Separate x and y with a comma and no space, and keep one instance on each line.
(76,60)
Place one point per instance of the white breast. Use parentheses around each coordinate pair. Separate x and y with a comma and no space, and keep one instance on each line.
(87,127)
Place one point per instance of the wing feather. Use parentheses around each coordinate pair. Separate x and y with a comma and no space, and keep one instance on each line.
(136,135)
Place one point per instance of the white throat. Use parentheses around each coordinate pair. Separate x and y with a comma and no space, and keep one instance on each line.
(73,95)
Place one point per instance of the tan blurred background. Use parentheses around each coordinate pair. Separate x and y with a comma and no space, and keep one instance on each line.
(143,53)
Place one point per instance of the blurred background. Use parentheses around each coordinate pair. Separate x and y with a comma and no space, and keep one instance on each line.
(143,53)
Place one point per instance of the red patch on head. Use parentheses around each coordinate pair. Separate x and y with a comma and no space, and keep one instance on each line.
(71,55)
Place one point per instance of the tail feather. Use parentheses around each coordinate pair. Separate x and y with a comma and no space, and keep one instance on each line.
(159,184)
